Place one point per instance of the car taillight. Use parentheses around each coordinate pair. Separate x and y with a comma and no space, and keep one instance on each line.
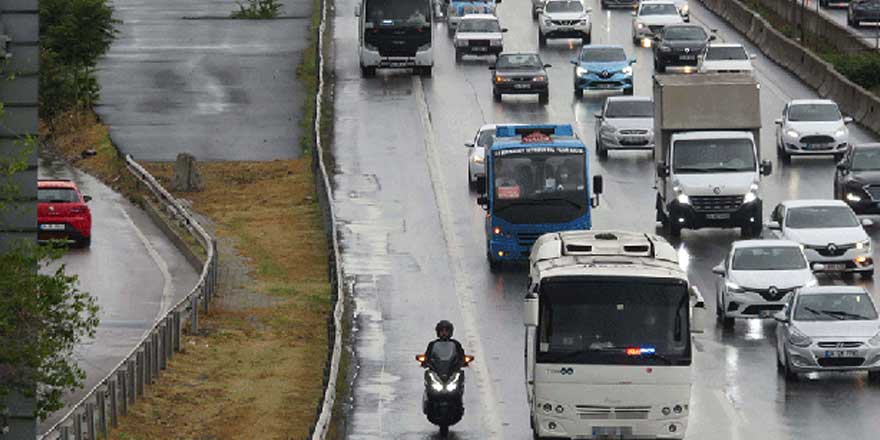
(79,210)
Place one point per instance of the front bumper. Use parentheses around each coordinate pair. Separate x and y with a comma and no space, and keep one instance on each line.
(521,87)
(565,31)
(796,147)
(872,16)
(852,260)
(668,428)
(747,215)
(372,58)
(815,358)
(677,59)
(594,81)
(750,304)
(622,141)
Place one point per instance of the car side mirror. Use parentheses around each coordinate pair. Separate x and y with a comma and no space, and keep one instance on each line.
(766,167)
(503,30)
(574,61)
(547,66)
(87,198)
(597,185)
(774,225)
(483,201)
(662,170)
(780,317)
(866,222)
(469,144)
(598,115)
(530,311)
(712,37)
(632,61)
(778,122)
(752,56)
(589,10)
(842,165)
(718,270)
(847,120)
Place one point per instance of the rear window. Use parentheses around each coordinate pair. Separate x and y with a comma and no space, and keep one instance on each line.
(726,53)
(57,195)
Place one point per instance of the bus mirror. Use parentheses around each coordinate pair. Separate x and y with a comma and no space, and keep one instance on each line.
(530,311)
(698,311)
(483,201)
(662,170)
(597,185)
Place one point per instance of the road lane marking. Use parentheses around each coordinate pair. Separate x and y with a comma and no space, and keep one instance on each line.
(160,262)
(461,287)
(734,416)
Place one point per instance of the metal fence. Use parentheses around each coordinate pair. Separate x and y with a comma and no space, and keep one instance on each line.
(100,409)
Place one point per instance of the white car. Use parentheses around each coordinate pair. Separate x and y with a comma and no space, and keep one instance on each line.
(564,19)
(478,34)
(684,9)
(625,123)
(726,58)
(477,156)
(812,127)
(757,278)
(830,233)
(651,17)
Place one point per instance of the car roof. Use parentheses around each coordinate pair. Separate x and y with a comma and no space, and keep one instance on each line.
(810,101)
(726,45)
(824,290)
(479,17)
(56,183)
(813,202)
(658,2)
(629,99)
(744,244)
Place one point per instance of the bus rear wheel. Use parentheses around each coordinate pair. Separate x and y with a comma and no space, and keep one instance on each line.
(368,71)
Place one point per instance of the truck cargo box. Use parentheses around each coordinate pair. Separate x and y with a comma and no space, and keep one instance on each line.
(711,101)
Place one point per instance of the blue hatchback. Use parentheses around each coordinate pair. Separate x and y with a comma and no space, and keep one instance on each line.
(601,67)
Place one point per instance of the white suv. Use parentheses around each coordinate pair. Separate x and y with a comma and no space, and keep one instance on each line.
(652,17)
(564,19)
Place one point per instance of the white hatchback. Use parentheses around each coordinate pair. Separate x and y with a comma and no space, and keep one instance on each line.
(726,58)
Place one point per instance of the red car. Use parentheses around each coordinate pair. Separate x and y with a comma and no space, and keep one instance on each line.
(62,213)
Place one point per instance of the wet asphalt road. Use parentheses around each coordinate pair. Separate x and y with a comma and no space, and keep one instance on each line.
(219,89)
(414,253)
(131,268)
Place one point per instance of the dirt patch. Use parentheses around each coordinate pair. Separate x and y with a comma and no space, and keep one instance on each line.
(257,368)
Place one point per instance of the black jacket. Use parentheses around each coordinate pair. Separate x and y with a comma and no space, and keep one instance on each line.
(458,363)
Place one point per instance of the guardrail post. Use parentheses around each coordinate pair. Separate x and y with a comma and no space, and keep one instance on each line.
(205,294)
(114,410)
(163,352)
(140,373)
(90,421)
(65,432)
(194,311)
(148,361)
(77,426)
(175,330)
(123,386)
(155,367)
(169,335)
(101,398)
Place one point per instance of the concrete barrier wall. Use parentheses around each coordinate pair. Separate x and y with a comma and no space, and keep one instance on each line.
(828,31)
(853,100)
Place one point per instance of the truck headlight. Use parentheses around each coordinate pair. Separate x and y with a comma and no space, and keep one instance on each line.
(683,199)
(580,71)
(628,70)
(752,195)
(863,245)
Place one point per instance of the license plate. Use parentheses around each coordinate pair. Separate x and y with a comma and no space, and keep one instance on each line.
(833,267)
(397,64)
(632,141)
(522,86)
(564,29)
(688,57)
(605,86)
(479,49)
(721,216)
(840,353)
(612,431)
(51,227)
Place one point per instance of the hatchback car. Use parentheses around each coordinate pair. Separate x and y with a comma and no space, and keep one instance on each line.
(812,127)
(602,68)
(857,180)
(680,46)
(830,233)
(726,58)
(564,19)
(652,17)
(62,213)
(861,11)
(478,34)
(625,123)
(829,328)
(520,74)
(757,277)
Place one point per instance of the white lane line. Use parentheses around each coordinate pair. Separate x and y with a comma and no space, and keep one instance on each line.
(463,291)
(734,416)
(160,262)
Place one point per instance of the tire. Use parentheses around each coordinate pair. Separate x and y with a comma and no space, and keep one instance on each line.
(534,13)
(480,185)
(718,304)
(449,31)
(659,67)
(601,151)
(542,40)
(578,93)
(867,274)
(874,376)
(367,72)
(472,184)
(727,322)
(444,431)
(84,243)
(587,39)
(674,228)
(494,265)
(635,40)
(458,56)
(425,71)
(496,96)
(838,157)
(790,376)
(629,91)
(544,98)
(784,156)
(751,231)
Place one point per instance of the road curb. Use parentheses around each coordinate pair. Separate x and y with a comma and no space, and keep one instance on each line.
(162,222)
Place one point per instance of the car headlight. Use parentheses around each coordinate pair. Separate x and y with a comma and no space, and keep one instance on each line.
(539,78)
(478,159)
(459,42)
(608,129)
(665,49)
(685,9)
(852,197)
(628,70)
(733,287)
(812,283)
(548,22)
(580,71)
(798,338)
(840,133)
(495,42)
(863,245)
(501,79)
(640,25)
(792,133)
(584,22)
(875,341)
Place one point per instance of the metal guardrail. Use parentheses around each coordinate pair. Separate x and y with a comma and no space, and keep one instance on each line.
(112,396)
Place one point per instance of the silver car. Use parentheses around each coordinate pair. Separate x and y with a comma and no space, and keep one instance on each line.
(829,328)
(757,278)
(812,127)
(477,156)
(625,123)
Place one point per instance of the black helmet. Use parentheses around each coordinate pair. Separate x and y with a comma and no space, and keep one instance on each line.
(444,324)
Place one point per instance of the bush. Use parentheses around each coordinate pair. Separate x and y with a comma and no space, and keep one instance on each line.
(257,10)
(862,68)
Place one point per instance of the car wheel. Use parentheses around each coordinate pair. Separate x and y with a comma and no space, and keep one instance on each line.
(458,56)
(578,93)
(450,31)
(425,71)
(586,39)
(787,372)
(867,274)
(534,14)
(542,40)
(635,40)
(661,217)
(659,67)
(496,96)
(601,151)
(726,321)
(85,243)
(471,183)
(785,156)
(494,265)
(874,376)
(838,157)
(368,72)
(544,98)
(481,185)
(629,91)
(719,300)
(674,228)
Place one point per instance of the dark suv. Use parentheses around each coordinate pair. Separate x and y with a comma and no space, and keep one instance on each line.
(862,10)
(679,45)
(857,181)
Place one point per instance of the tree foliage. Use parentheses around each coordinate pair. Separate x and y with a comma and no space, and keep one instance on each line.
(257,10)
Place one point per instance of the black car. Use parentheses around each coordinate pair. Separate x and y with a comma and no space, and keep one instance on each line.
(862,10)
(857,181)
(679,45)
(630,4)
(520,74)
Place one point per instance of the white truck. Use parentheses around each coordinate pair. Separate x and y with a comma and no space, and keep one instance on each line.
(707,152)
(609,317)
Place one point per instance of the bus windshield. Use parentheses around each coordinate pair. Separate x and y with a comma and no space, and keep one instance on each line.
(614,321)
(398,12)
(545,185)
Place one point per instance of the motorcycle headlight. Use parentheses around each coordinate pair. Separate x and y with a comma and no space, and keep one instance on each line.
(798,338)
(863,245)
(875,341)
(580,71)
(792,133)
(453,383)
(628,70)
(733,287)
(436,383)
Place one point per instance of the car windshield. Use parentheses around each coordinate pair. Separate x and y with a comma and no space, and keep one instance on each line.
(57,195)
(519,61)
(658,9)
(813,217)
(769,258)
(835,307)
(814,113)
(713,155)
(726,53)
(866,159)
(479,26)
(486,138)
(603,54)
(684,33)
(613,322)
(574,6)
(398,12)
(630,109)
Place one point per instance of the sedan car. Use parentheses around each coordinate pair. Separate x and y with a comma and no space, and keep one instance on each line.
(857,181)
(812,127)
(625,123)
(829,328)
(62,213)
(680,46)
(478,34)
(602,68)
(651,17)
(477,156)
(520,74)
(757,277)
(862,10)
(830,233)
(726,58)
(564,19)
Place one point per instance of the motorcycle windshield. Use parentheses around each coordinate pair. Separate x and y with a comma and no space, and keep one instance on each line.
(443,358)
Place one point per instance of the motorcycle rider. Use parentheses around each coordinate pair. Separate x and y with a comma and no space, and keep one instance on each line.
(444,331)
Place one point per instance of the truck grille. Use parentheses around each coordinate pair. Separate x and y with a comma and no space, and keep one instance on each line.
(841,362)
(613,412)
(874,192)
(817,139)
(847,344)
(527,239)
(716,203)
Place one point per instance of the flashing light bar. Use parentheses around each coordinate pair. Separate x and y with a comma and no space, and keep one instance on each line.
(503,131)
(640,351)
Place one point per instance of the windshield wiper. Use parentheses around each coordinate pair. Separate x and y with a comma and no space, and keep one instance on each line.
(692,170)
(716,169)
(823,312)
(843,314)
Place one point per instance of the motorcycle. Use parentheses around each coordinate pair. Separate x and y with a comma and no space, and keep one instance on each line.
(442,400)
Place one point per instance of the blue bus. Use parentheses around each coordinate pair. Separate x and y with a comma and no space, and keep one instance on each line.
(536,182)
